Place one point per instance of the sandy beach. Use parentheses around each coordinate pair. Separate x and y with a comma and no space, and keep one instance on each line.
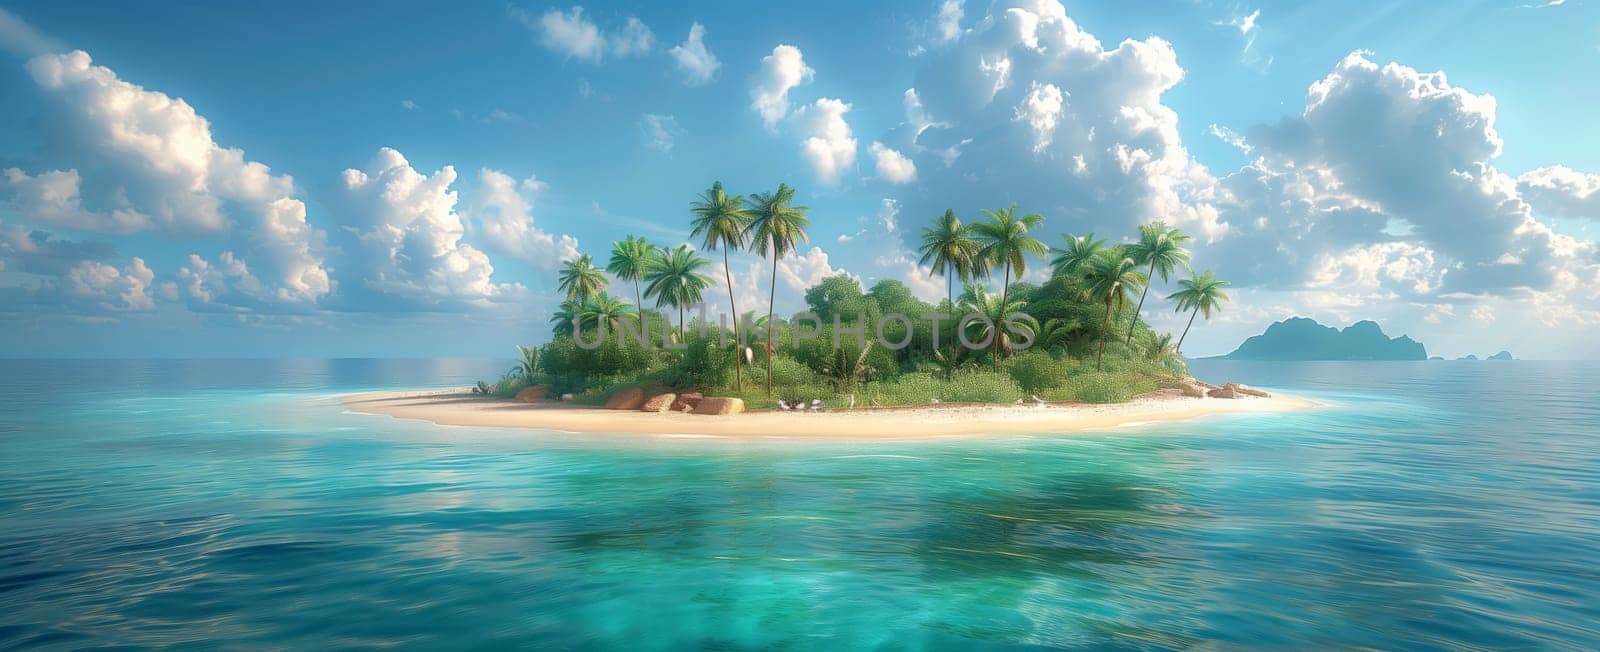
(459,408)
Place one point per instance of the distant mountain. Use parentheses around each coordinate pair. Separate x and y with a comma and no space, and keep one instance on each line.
(1468,356)
(1503,355)
(1299,338)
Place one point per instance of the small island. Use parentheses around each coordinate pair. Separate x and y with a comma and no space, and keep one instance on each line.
(1300,338)
(1001,355)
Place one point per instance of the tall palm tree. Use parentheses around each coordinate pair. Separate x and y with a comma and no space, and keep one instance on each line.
(776,226)
(1202,294)
(1078,252)
(580,279)
(950,251)
(1005,241)
(606,310)
(1162,249)
(724,223)
(630,260)
(674,279)
(1111,275)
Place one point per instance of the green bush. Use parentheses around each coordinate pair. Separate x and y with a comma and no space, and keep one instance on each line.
(1104,387)
(1037,371)
(982,387)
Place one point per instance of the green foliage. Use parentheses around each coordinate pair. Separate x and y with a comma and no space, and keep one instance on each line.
(1104,387)
(1037,371)
(977,386)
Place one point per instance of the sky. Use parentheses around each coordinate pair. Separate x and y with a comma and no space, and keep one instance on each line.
(183,179)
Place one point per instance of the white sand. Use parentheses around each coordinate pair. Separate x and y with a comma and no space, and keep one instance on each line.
(458,408)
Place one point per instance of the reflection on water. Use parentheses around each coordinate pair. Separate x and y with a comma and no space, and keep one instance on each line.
(162,503)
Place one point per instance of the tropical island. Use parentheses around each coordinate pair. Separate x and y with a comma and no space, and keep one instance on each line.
(1028,357)
(1300,338)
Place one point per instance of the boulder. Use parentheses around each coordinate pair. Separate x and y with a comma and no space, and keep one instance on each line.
(1193,390)
(1223,392)
(627,398)
(687,401)
(658,403)
(533,393)
(719,405)
(1246,390)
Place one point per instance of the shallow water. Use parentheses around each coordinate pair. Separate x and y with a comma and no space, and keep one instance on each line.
(169,503)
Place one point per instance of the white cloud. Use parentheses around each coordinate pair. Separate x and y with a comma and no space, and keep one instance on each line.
(660,131)
(781,71)
(155,165)
(21,39)
(1562,192)
(1041,110)
(800,273)
(502,218)
(1230,137)
(892,166)
(829,146)
(574,35)
(408,105)
(696,62)
(949,20)
(110,288)
(408,238)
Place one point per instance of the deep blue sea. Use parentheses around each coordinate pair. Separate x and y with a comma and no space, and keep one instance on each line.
(234,503)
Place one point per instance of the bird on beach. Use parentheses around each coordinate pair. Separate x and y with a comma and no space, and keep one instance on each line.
(1036,399)
(934,401)
(782,405)
(816,404)
(852,401)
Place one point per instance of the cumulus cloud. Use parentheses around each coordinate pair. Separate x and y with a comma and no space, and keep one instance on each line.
(799,273)
(148,162)
(408,240)
(780,72)
(21,39)
(694,60)
(1041,110)
(1561,191)
(892,166)
(574,35)
(111,288)
(829,146)
(502,215)
(660,131)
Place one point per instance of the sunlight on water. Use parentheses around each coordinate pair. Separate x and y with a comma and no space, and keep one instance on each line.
(161,503)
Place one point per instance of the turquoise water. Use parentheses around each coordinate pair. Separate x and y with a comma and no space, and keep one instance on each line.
(172,503)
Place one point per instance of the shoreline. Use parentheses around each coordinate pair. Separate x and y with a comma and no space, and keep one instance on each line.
(461,408)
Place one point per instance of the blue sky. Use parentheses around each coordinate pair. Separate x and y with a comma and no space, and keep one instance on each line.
(427,166)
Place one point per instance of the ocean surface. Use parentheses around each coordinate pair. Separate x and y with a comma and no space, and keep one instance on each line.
(1439,505)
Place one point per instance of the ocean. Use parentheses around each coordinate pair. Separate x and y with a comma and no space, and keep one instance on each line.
(203,503)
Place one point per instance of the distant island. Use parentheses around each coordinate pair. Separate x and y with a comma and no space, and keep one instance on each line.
(1300,338)
(1501,356)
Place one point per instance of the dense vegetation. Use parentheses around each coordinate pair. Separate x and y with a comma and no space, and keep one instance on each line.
(1085,340)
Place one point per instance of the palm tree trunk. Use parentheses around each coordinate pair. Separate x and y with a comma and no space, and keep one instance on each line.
(1179,348)
(638,304)
(772,298)
(950,295)
(1148,278)
(680,324)
(738,344)
(1104,326)
(1005,291)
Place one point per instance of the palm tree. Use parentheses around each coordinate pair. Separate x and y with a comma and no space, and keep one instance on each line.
(1111,275)
(1055,333)
(630,260)
(529,366)
(724,222)
(976,299)
(1005,240)
(605,310)
(674,279)
(1162,249)
(948,249)
(1202,294)
(564,317)
(580,279)
(1079,251)
(776,226)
